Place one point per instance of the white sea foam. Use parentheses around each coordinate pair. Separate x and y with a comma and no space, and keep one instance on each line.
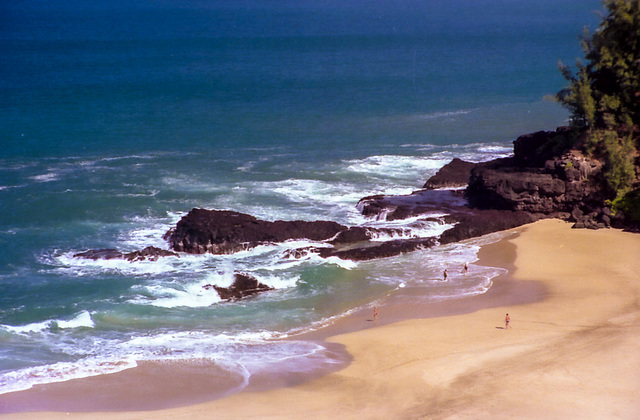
(440,115)
(183,182)
(498,149)
(201,293)
(394,166)
(77,266)
(191,295)
(83,319)
(148,231)
(48,177)
(304,190)
(245,354)
(414,227)
(23,379)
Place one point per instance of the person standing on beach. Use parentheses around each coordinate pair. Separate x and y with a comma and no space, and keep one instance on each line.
(507,319)
(375,313)
(444,275)
(465,270)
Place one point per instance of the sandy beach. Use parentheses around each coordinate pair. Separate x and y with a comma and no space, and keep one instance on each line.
(573,297)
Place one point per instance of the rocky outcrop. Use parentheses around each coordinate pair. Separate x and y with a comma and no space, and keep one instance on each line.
(537,181)
(543,179)
(534,149)
(467,222)
(482,222)
(418,203)
(379,250)
(225,232)
(361,234)
(243,285)
(365,251)
(150,253)
(454,174)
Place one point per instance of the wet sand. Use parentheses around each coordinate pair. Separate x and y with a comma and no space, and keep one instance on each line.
(574,301)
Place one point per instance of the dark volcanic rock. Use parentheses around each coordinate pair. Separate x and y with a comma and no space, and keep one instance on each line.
(511,188)
(396,207)
(150,253)
(534,149)
(224,232)
(368,251)
(483,222)
(361,234)
(555,189)
(454,174)
(379,249)
(99,254)
(243,286)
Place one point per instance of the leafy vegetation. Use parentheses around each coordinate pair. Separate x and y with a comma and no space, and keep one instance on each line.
(629,204)
(603,96)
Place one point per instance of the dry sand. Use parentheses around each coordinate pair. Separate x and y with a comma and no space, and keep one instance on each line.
(572,353)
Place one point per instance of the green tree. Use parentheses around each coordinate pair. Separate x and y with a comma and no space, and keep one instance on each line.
(604,95)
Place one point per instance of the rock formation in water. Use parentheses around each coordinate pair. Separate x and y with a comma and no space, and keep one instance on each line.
(150,253)
(226,232)
(243,286)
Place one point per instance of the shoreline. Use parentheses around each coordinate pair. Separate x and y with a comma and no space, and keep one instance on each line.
(574,304)
(157,385)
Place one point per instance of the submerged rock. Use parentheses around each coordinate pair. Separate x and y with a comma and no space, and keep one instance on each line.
(150,253)
(100,254)
(379,249)
(243,285)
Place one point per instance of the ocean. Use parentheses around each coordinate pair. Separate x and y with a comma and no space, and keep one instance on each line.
(119,116)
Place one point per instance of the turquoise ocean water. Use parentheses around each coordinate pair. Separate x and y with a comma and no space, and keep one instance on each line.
(118,117)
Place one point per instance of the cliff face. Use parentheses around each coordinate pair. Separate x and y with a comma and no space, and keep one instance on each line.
(536,181)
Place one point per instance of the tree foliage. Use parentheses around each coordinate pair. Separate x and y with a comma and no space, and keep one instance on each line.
(603,96)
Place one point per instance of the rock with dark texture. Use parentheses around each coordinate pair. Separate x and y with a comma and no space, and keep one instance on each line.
(512,188)
(418,203)
(482,222)
(99,254)
(361,234)
(554,188)
(534,149)
(454,174)
(225,232)
(243,286)
(379,249)
(150,253)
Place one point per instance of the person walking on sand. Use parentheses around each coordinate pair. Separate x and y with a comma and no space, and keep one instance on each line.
(507,319)
(375,313)
(465,270)
(444,275)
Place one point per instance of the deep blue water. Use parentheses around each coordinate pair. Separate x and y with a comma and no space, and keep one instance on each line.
(118,117)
